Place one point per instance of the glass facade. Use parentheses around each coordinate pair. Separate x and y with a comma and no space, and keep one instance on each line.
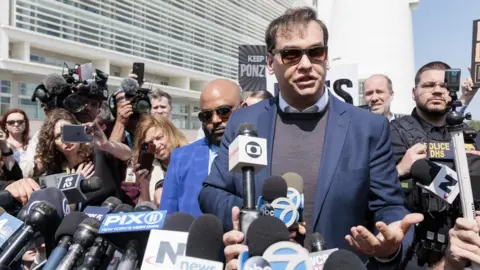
(31,108)
(198,35)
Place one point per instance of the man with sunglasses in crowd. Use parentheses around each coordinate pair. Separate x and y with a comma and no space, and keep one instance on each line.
(342,152)
(190,164)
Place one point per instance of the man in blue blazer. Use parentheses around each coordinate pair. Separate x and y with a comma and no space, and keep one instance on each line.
(342,152)
(190,164)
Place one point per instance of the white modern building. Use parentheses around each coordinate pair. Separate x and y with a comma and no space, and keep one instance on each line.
(376,35)
(183,43)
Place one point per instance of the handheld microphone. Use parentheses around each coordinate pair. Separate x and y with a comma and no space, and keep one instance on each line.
(262,233)
(83,238)
(436,178)
(137,242)
(63,236)
(204,245)
(287,255)
(343,259)
(246,154)
(319,253)
(166,245)
(111,203)
(273,188)
(51,180)
(107,206)
(74,186)
(42,217)
(9,226)
(295,191)
(8,202)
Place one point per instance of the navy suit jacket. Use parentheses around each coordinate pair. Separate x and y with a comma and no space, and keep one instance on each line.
(357,177)
(187,169)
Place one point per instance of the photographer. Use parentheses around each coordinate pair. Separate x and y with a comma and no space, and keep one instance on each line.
(411,137)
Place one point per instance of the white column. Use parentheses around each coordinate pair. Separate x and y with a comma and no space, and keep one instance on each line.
(5,12)
(378,36)
(102,64)
(15,91)
(180,82)
(4,43)
(21,51)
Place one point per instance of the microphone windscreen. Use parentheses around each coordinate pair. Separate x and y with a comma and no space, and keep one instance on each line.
(273,188)
(129,85)
(317,241)
(144,206)
(179,222)
(264,232)
(294,180)
(92,184)
(48,212)
(53,196)
(54,83)
(343,260)
(205,238)
(69,224)
(424,171)
(111,203)
(90,223)
(247,129)
(123,208)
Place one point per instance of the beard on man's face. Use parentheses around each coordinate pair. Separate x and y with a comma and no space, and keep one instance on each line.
(212,137)
(434,113)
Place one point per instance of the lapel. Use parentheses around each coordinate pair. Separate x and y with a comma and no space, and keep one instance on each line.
(335,134)
(201,157)
(266,129)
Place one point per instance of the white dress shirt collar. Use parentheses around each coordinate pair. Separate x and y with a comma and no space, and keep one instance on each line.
(317,107)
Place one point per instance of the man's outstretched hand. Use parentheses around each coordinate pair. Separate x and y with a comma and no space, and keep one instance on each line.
(387,242)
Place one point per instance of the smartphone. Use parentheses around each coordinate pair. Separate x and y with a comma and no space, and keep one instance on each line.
(76,134)
(146,156)
(139,70)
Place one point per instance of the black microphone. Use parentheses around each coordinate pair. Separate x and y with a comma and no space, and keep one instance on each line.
(83,238)
(343,260)
(74,186)
(295,191)
(8,202)
(63,236)
(317,242)
(273,188)
(264,232)
(247,153)
(178,222)
(144,206)
(42,217)
(111,203)
(137,241)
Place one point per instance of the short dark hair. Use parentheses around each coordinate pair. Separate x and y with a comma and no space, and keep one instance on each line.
(292,17)
(159,93)
(261,94)
(435,65)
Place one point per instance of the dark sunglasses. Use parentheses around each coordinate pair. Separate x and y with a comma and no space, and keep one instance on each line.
(224,112)
(292,56)
(13,122)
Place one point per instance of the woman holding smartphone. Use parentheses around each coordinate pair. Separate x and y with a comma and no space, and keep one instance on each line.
(158,136)
(53,155)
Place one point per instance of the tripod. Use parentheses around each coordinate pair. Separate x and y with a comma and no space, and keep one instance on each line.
(455,128)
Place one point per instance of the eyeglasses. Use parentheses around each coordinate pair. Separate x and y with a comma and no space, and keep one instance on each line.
(13,122)
(431,85)
(224,112)
(292,56)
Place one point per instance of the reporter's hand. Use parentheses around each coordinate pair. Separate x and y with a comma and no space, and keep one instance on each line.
(468,91)
(22,189)
(124,108)
(298,230)
(99,137)
(86,169)
(464,244)
(414,153)
(232,241)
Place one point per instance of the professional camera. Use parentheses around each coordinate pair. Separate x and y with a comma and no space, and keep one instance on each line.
(138,97)
(83,91)
(52,91)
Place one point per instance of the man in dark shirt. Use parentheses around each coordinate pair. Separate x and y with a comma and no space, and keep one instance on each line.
(412,136)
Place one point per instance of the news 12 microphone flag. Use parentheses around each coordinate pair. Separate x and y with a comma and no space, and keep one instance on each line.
(475,68)
(252,67)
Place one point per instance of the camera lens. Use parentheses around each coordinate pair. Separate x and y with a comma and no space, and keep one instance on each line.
(143,106)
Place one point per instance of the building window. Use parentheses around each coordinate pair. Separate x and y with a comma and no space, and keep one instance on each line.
(6,87)
(33,109)
(361,90)
(4,104)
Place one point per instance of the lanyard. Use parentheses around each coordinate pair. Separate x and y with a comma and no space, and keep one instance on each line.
(129,139)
